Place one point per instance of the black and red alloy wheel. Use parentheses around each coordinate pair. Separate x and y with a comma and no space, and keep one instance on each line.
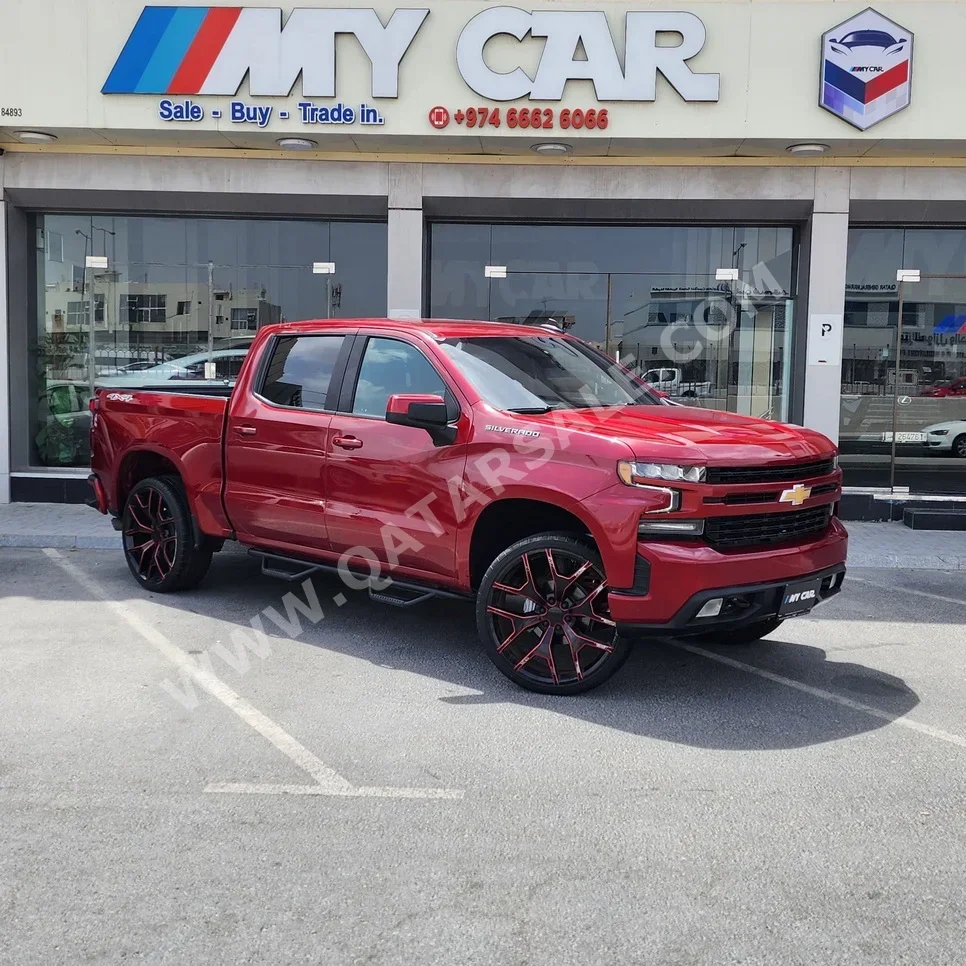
(150,535)
(160,545)
(543,614)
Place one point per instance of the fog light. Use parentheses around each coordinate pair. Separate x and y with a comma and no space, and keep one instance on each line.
(711,609)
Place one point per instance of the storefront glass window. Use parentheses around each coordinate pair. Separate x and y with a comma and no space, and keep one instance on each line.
(179,299)
(652,295)
(903,410)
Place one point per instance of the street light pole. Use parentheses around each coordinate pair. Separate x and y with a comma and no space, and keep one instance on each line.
(90,263)
(328,270)
(211,320)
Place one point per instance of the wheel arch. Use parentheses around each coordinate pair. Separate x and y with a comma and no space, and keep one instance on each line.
(512,517)
(140,463)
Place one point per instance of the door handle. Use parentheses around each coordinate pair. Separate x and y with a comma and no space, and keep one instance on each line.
(347,442)
(246,430)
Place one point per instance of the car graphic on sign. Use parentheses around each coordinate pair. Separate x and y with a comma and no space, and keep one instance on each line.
(866,69)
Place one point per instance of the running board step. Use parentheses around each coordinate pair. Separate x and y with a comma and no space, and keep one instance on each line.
(399,593)
(402,596)
(286,568)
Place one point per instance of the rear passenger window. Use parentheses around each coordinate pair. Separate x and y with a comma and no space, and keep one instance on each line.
(300,370)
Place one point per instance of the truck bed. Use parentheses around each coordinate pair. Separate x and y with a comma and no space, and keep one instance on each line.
(184,426)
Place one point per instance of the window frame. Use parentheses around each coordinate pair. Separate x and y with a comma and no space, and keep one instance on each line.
(334,391)
(354,371)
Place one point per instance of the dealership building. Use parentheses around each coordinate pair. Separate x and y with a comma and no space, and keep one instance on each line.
(760,206)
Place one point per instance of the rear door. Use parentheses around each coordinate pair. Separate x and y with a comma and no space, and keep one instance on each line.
(382,478)
(276,442)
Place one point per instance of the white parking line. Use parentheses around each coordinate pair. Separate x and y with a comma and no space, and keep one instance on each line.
(241,788)
(830,696)
(908,590)
(327,780)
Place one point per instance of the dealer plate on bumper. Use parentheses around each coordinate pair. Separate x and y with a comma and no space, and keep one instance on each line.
(800,598)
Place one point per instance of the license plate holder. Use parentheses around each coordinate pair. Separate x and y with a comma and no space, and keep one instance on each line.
(799,598)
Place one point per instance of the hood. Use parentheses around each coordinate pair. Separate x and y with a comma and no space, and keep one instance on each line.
(682,434)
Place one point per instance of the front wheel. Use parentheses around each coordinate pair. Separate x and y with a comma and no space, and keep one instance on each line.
(542,615)
(159,540)
(741,635)
(959,447)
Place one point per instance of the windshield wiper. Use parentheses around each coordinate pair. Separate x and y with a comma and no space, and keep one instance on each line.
(530,410)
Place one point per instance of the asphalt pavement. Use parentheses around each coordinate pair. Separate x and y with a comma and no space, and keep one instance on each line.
(364,788)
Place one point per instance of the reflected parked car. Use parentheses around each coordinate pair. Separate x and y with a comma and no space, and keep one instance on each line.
(124,370)
(228,363)
(948,438)
(64,435)
(950,387)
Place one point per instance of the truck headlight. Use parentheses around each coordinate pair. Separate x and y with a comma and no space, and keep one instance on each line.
(638,474)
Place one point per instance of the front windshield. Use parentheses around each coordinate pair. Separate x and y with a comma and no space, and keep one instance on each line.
(534,374)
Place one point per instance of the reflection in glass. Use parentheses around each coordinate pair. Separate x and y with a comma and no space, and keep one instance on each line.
(903,409)
(180,300)
(649,294)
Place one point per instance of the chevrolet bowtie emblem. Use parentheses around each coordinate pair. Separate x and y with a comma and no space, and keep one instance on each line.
(797,495)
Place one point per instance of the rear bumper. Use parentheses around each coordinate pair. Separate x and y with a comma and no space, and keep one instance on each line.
(683,576)
(99,501)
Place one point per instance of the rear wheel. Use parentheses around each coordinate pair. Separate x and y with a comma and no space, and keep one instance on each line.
(959,447)
(542,615)
(158,535)
(741,635)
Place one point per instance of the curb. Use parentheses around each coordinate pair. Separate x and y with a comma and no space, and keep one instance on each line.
(25,541)
(905,561)
(857,560)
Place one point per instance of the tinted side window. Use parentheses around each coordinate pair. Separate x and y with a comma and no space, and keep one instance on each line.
(390,367)
(300,370)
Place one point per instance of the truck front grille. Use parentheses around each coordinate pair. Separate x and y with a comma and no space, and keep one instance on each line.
(780,473)
(763,529)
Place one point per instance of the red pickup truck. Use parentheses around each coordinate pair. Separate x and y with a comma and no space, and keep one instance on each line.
(515,466)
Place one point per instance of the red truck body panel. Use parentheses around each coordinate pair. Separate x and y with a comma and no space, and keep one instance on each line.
(320,485)
(186,430)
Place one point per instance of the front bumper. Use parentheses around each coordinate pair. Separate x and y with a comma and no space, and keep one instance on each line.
(674,579)
(750,603)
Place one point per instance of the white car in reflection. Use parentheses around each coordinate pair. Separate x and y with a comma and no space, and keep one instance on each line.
(949,438)
(228,363)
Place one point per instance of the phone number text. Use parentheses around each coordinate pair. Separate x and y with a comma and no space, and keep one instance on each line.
(542,118)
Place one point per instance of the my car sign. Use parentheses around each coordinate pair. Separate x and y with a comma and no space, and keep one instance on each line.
(866,69)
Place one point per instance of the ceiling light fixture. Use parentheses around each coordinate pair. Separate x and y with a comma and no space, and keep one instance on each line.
(552,148)
(296,144)
(34,137)
(806,150)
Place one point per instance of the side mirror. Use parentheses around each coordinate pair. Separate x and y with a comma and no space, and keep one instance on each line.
(422,412)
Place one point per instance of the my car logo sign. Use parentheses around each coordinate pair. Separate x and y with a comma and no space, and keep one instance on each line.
(866,69)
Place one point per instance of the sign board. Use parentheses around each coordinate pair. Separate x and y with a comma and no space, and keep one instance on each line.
(866,69)
(824,340)
(632,71)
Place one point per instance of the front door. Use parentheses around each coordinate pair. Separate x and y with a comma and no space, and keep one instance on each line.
(275,452)
(382,478)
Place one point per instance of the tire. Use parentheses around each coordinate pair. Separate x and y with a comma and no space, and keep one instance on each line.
(742,635)
(958,449)
(159,539)
(541,612)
